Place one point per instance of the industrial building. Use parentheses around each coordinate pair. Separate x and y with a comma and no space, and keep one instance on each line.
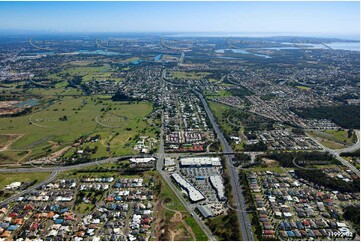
(193,194)
(205,211)
(200,161)
(217,184)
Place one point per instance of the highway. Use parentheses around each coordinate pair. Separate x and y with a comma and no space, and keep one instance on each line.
(239,201)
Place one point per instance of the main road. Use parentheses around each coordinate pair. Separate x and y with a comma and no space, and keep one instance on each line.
(167,179)
(68,168)
(240,204)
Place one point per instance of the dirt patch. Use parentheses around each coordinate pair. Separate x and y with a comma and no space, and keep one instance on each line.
(8,139)
(174,234)
(59,152)
(172,228)
(269,162)
(8,107)
(183,234)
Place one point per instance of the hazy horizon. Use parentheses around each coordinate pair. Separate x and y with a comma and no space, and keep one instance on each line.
(299,18)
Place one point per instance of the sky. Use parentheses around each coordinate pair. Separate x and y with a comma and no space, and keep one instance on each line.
(277,17)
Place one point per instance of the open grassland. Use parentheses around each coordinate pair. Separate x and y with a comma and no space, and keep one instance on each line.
(219,110)
(6,140)
(80,63)
(46,92)
(190,75)
(334,139)
(303,88)
(60,124)
(130,59)
(85,70)
(220,93)
(340,136)
(7,178)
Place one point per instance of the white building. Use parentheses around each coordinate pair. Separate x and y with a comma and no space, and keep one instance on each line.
(200,161)
(217,184)
(169,162)
(193,194)
(13,186)
(141,160)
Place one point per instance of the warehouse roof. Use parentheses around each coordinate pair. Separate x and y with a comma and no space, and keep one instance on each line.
(200,161)
(193,194)
(217,184)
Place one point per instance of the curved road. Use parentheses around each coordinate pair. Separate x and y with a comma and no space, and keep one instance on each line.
(336,153)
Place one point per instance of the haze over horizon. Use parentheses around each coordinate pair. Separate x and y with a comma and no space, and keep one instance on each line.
(332,19)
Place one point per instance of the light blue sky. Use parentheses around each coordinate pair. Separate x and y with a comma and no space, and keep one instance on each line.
(295,17)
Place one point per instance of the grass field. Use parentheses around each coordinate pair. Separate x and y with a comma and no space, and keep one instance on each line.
(303,88)
(7,178)
(45,92)
(218,110)
(6,140)
(190,75)
(130,59)
(220,93)
(273,169)
(333,139)
(86,207)
(340,136)
(48,129)
(85,70)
